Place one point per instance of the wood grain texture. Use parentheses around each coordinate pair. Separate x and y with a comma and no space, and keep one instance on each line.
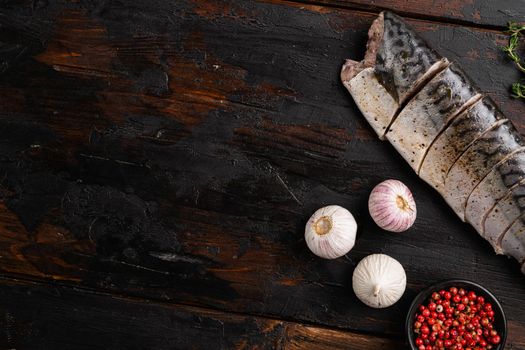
(174,151)
(40,316)
(467,12)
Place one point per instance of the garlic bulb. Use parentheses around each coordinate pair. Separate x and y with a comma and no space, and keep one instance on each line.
(379,281)
(330,232)
(392,206)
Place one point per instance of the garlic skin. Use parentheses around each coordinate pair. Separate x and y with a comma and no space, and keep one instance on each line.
(379,281)
(392,206)
(330,232)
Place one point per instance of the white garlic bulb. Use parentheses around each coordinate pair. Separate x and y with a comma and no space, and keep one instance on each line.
(392,206)
(330,232)
(379,281)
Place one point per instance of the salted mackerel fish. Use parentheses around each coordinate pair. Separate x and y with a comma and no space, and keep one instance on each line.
(451,134)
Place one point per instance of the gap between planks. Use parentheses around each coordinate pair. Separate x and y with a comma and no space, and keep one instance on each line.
(373,9)
(28,281)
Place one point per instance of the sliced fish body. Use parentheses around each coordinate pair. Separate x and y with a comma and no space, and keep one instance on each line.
(403,58)
(456,141)
(477,161)
(503,214)
(451,143)
(376,104)
(513,241)
(428,112)
(493,187)
(397,64)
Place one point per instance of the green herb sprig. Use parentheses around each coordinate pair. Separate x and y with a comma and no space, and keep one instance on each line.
(515,30)
(518,90)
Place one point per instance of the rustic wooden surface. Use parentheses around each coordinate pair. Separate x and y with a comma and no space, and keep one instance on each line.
(80,319)
(478,13)
(159,159)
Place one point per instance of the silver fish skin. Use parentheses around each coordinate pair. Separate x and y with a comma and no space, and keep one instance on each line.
(403,58)
(513,241)
(494,187)
(503,214)
(477,161)
(391,71)
(455,139)
(376,104)
(444,97)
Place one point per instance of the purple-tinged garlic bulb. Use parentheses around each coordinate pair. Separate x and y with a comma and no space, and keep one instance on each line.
(392,206)
(330,232)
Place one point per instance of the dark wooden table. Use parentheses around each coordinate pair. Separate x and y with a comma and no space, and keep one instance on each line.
(159,159)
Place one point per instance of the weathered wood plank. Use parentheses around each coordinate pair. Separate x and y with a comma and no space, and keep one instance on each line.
(39,316)
(175,150)
(475,12)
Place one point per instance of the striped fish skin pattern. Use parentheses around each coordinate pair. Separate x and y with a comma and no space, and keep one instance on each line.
(456,139)
(449,145)
(490,148)
(494,187)
(401,62)
(513,241)
(503,214)
(385,55)
(428,112)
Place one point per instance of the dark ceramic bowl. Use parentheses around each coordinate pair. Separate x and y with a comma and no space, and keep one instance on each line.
(500,322)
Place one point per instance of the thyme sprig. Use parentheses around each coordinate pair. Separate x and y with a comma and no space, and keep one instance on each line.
(516,30)
(518,90)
